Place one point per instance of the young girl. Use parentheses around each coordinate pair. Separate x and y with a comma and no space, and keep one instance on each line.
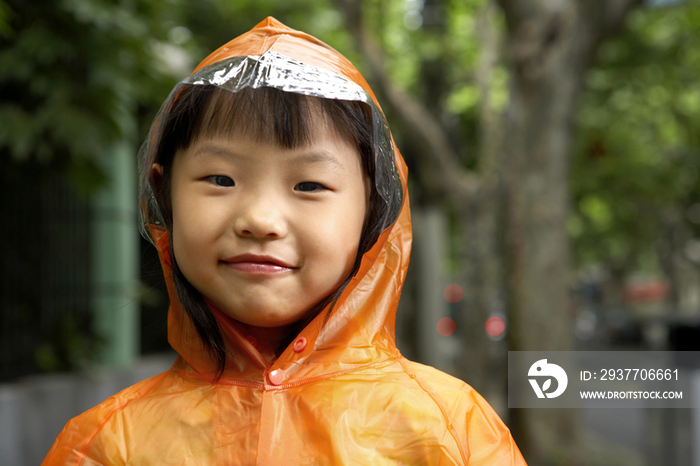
(278,203)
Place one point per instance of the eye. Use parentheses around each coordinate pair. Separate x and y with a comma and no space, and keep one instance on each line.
(309,186)
(221,180)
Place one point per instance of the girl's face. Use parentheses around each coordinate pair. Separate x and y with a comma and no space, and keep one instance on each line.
(265,232)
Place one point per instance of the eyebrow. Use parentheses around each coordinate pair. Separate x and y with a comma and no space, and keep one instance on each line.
(322,156)
(315,157)
(216,151)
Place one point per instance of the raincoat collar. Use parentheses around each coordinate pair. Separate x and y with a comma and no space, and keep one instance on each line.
(360,330)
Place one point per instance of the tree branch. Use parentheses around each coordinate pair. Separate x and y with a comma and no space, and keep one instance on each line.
(422,129)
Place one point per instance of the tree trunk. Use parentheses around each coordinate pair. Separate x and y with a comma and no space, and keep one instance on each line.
(552,44)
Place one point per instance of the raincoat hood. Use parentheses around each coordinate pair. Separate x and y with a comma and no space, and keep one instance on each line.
(341,393)
(360,329)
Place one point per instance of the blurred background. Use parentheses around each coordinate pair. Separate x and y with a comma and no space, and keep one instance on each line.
(554,149)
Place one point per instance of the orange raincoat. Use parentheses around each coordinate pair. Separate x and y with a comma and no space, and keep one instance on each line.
(340,394)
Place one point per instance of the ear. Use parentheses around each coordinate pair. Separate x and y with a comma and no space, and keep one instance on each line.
(156,174)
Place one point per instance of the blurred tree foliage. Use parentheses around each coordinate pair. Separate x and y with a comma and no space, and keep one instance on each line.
(635,180)
(73,73)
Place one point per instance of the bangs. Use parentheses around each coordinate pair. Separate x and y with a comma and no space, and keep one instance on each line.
(264,114)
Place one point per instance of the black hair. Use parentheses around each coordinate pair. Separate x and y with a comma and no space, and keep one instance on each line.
(266,114)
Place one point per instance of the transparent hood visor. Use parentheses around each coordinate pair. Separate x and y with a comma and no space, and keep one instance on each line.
(278,71)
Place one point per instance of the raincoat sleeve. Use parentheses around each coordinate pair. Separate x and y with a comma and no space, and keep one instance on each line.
(482,437)
(489,440)
(82,441)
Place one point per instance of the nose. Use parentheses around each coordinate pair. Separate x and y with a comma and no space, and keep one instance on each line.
(260,218)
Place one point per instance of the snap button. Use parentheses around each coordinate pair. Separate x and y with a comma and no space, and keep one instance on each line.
(299,344)
(252,340)
(276,377)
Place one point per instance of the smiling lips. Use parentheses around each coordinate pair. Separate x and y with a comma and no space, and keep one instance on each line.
(257,264)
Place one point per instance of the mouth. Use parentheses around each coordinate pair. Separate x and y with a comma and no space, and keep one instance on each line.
(258,264)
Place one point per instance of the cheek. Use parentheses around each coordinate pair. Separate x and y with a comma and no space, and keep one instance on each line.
(194,228)
(334,238)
